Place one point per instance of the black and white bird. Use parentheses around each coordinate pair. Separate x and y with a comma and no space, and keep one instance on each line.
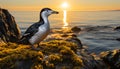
(38,31)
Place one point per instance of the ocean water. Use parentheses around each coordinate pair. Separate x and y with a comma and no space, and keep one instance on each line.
(97,26)
(74,18)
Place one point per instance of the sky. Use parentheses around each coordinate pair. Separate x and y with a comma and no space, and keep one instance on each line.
(74,5)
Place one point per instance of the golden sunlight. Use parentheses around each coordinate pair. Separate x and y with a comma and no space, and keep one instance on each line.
(65,6)
(65,18)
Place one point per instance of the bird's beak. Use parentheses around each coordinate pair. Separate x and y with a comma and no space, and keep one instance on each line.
(55,12)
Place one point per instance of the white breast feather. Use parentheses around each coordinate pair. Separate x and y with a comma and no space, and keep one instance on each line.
(40,35)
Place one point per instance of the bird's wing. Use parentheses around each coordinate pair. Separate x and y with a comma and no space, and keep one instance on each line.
(31,30)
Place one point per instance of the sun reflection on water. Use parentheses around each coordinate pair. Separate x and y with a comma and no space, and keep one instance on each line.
(64,7)
(65,18)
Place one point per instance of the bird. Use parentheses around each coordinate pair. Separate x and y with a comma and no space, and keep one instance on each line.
(39,30)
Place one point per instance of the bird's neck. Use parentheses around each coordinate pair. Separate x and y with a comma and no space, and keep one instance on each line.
(44,18)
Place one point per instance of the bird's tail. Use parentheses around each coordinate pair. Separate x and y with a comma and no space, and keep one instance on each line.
(23,40)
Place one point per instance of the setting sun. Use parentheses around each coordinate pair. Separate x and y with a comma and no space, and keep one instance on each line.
(65,5)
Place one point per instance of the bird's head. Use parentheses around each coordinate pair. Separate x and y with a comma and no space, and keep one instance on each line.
(47,11)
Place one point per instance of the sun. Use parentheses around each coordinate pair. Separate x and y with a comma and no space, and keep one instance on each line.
(65,5)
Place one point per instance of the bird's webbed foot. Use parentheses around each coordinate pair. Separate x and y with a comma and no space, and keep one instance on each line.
(37,49)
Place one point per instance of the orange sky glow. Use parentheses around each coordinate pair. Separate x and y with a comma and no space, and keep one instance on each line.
(74,5)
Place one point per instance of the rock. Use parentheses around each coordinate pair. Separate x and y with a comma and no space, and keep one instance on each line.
(118,39)
(67,37)
(76,29)
(96,28)
(112,58)
(9,31)
(66,34)
(23,64)
(75,40)
(117,28)
(55,54)
(91,62)
(2,42)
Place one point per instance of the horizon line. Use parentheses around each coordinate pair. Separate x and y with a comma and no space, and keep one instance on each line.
(70,10)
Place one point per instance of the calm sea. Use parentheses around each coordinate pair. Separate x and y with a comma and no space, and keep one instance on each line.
(100,39)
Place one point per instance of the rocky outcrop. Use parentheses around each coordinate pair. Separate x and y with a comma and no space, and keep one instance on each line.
(9,31)
(118,39)
(55,54)
(66,34)
(70,37)
(117,28)
(112,58)
(76,29)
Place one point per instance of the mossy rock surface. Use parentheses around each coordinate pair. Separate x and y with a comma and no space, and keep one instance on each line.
(51,55)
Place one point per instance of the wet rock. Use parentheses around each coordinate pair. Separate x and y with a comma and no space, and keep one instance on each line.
(96,28)
(69,35)
(26,64)
(9,31)
(91,62)
(118,39)
(117,28)
(75,40)
(76,29)
(112,58)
